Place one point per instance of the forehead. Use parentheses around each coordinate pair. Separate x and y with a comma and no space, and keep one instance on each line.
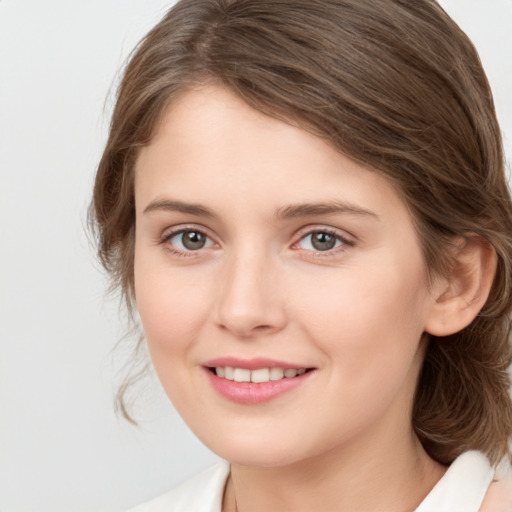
(210,144)
(211,117)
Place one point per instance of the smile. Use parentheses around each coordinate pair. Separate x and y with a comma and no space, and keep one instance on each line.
(259,375)
(256,381)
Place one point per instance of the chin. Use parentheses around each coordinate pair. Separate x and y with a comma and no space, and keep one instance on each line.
(261,458)
(256,450)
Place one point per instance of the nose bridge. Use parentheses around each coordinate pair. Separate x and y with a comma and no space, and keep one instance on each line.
(250,302)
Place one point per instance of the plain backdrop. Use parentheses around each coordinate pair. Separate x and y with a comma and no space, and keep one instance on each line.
(62,448)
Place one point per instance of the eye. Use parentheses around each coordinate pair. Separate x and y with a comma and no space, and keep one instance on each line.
(320,241)
(189,240)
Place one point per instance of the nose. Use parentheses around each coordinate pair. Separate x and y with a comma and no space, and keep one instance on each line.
(251,298)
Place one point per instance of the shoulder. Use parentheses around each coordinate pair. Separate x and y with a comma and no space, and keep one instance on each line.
(202,492)
(470,484)
(499,495)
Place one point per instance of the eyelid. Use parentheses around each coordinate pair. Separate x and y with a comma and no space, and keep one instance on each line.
(173,231)
(343,236)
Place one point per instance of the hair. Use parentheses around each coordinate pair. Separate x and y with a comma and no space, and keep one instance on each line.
(396,86)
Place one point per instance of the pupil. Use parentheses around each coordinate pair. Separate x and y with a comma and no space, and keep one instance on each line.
(323,241)
(193,240)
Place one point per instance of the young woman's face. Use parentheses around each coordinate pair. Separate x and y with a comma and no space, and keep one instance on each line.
(260,250)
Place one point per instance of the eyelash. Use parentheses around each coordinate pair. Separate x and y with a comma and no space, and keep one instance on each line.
(344,241)
(187,253)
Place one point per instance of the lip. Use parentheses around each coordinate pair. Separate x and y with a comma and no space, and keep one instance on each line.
(252,364)
(250,393)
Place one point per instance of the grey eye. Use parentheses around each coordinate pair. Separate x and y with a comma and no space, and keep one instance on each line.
(190,240)
(320,241)
(323,241)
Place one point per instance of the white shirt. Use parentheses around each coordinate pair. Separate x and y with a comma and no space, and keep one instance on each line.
(461,489)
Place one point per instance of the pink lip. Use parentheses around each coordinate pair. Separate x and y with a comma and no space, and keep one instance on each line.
(251,364)
(251,393)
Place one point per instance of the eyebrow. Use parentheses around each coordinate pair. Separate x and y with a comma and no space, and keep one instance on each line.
(286,212)
(323,208)
(178,206)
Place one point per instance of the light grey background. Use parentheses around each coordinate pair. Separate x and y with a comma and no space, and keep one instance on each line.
(62,449)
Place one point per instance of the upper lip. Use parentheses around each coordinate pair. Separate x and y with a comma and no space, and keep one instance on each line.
(252,364)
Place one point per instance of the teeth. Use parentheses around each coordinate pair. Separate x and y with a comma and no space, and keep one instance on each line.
(258,376)
(276,373)
(242,375)
(262,375)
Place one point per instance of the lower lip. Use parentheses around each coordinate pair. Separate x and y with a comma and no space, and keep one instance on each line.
(251,393)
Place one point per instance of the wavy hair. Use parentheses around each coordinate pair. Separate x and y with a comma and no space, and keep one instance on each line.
(396,86)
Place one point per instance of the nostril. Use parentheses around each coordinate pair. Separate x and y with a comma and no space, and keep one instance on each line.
(262,327)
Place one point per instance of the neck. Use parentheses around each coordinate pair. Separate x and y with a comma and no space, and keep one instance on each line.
(360,478)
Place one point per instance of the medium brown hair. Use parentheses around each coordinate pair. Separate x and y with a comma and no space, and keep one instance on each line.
(394,85)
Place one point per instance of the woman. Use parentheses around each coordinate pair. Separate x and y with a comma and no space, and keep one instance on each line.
(306,203)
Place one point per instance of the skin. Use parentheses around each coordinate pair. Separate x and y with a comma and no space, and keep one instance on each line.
(499,495)
(357,314)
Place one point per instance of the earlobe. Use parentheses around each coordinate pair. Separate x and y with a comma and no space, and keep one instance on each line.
(459,296)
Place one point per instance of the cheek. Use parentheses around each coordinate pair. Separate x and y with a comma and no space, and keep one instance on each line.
(369,319)
(369,331)
(172,307)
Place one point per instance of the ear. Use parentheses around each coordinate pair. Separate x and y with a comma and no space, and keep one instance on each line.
(459,296)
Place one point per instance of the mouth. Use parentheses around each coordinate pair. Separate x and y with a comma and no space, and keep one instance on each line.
(258,375)
(255,381)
